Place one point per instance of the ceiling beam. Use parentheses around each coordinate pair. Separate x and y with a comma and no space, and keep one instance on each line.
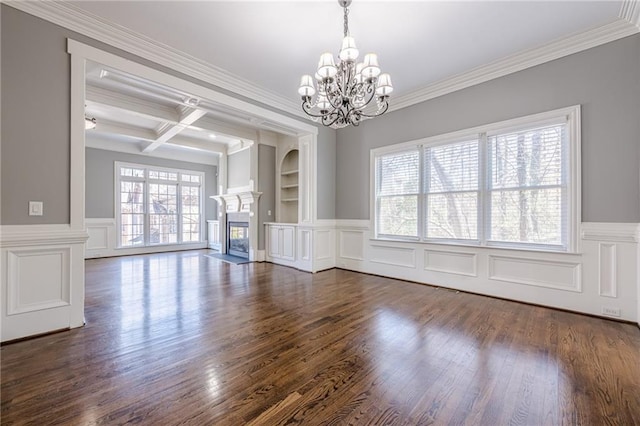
(106,126)
(212,125)
(97,96)
(109,143)
(189,116)
(131,105)
(208,146)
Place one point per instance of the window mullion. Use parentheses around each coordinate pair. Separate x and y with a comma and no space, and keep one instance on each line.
(564,188)
(147,217)
(425,191)
(377,165)
(118,206)
(484,192)
(420,205)
(179,208)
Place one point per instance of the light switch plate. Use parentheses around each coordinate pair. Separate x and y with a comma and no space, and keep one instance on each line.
(35,208)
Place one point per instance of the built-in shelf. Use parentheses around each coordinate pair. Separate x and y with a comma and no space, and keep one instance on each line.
(289,172)
(289,167)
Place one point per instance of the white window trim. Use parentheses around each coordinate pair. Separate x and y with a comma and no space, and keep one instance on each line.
(574,202)
(117,194)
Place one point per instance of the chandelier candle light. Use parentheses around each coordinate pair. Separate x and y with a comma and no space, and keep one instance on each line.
(346,91)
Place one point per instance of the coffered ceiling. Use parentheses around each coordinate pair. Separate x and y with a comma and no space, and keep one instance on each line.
(136,115)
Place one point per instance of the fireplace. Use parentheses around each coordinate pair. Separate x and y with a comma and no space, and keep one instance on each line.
(238,239)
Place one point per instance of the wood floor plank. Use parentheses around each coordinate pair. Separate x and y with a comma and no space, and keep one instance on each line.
(182,338)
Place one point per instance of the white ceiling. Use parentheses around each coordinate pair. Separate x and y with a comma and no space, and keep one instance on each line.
(424,45)
(272,43)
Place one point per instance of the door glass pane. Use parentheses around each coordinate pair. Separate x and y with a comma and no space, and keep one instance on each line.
(131,230)
(163,213)
(190,213)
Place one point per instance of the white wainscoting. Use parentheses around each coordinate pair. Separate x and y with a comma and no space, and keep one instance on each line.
(324,242)
(387,254)
(460,263)
(102,237)
(27,267)
(43,279)
(102,241)
(214,235)
(309,248)
(350,243)
(608,261)
(603,279)
(536,272)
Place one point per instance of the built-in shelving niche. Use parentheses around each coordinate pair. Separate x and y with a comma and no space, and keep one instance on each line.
(289,180)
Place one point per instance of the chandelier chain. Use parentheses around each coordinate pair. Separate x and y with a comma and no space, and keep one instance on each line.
(346,21)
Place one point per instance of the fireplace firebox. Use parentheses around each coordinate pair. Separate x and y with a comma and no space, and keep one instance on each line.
(238,239)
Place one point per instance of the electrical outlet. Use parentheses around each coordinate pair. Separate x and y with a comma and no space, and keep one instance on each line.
(612,312)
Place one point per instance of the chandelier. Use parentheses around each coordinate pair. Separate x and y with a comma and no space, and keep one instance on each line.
(345,91)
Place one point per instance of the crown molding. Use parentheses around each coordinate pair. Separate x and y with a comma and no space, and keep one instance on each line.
(80,21)
(529,58)
(630,12)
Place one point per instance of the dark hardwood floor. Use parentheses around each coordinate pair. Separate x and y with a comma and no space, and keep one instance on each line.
(181,338)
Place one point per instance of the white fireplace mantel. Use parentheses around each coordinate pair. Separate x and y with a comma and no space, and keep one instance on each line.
(237,202)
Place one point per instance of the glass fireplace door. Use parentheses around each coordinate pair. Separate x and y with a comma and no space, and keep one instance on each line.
(238,239)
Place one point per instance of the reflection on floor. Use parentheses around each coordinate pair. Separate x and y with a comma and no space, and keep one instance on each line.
(184,338)
(236,260)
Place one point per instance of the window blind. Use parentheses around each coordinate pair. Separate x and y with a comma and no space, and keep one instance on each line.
(527,186)
(397,189)
(451,189)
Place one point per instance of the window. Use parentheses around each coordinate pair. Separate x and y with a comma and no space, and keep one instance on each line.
(451,190)
(527,186)
(397,194)
(509,184)
(158,206)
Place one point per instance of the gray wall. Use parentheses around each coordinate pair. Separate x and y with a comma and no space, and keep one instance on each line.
(605,80)
(326,164)
(35,82)
(266,185)
(35,156)
(99,180)
(238,169)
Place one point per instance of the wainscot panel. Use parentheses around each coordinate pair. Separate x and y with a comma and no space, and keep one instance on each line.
(541,273)
(461,263)
(601,279)
(103,239)
(43,283)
